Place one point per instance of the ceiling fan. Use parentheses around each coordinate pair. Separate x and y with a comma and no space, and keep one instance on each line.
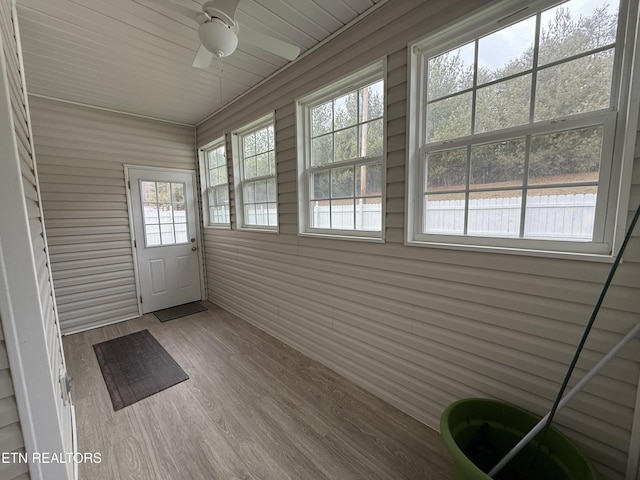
(219,32)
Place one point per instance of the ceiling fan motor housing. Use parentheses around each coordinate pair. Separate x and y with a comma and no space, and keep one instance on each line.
(218,37)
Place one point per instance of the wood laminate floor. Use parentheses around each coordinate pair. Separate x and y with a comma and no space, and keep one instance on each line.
(253,408)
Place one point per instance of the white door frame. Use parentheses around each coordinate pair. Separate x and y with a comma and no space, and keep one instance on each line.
(127,167)
(20,307)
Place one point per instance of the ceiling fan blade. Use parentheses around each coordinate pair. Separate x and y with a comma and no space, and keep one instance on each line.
(222,8)
(270,44)
(202,58)
(181,9)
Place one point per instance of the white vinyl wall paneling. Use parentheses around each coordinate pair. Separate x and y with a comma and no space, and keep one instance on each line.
(40,322)
(422,327)
(11,439)
(81,157)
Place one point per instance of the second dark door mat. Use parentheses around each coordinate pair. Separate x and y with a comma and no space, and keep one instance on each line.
(179,311)
(136,366)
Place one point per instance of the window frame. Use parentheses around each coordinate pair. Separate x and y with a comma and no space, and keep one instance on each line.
(239,174)
(611,207)
(205,187)
(362,77)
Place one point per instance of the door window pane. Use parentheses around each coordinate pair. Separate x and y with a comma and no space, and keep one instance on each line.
(164,213)
(152,233)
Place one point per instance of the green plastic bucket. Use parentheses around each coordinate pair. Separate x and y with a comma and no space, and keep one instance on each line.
(485,430)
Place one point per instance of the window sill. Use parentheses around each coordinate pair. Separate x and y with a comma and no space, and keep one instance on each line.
(272,230)
(226,226)
(340,236)
(585,257)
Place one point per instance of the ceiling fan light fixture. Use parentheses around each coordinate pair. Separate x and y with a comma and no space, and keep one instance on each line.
(218,38)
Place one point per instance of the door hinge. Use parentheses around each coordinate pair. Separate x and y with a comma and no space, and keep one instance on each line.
(129,184)
(140,298)
(135,244)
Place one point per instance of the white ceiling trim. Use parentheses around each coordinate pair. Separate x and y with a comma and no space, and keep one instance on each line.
(110,110)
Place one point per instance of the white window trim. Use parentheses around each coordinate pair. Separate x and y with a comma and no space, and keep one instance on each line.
(361,77)
(204,183)
(617,202)
(238,173)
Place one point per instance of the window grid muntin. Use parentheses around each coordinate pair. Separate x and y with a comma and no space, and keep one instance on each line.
(533,71)
(524,188)
(355,162)
(608,125)
(252,209)
(359,121)
(355,197)
(218,211)
(169,226)
(426,55)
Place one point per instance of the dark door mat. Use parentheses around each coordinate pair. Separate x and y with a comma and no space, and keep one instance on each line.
(135,367)
(179,311)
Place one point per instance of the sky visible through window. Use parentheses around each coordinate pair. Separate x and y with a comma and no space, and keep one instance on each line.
(504,45)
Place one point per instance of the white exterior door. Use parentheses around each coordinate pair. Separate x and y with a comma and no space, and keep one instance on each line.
(163,211)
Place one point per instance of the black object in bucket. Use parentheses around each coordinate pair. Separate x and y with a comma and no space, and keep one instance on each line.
(481,451)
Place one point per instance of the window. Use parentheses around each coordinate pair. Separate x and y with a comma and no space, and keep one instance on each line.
(216,182)
(341,156)
(513,129)
(254,162)
(165,213)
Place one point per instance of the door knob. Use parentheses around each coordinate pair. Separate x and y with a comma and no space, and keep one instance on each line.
(194,248)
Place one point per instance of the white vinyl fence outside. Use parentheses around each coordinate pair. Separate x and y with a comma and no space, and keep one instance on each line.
(364,216)
(565,217)
(165,226)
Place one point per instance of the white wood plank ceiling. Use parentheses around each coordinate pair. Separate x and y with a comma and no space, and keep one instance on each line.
(135,55)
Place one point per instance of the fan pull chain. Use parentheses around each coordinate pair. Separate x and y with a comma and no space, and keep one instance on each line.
(220,80)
